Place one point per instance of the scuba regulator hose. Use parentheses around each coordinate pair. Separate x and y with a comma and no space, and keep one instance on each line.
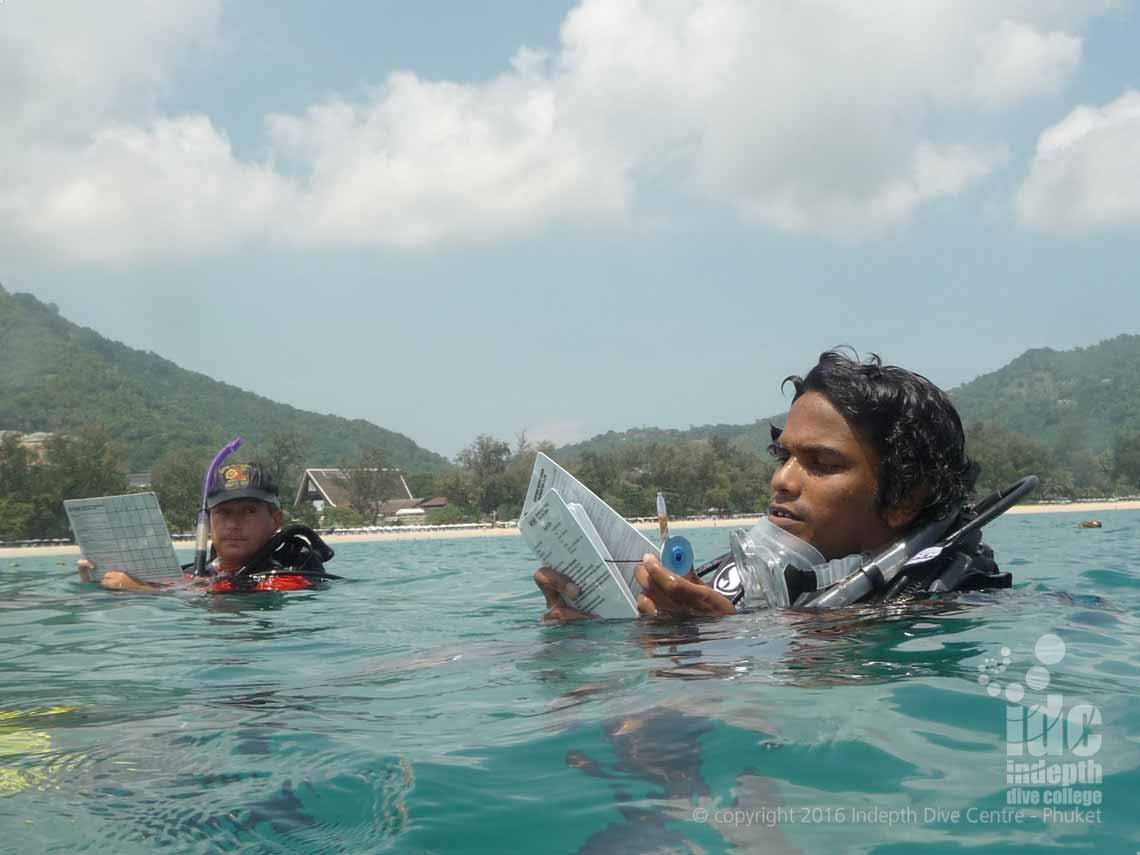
(878,573)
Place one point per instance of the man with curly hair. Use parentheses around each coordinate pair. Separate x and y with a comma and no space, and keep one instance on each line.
(868,453)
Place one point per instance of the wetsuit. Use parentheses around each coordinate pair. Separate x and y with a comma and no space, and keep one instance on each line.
(967,566)
(292,560)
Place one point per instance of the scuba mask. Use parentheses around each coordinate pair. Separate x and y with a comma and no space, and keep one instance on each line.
(776,569)
(767,559)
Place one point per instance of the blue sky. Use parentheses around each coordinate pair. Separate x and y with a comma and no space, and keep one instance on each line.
(568,218)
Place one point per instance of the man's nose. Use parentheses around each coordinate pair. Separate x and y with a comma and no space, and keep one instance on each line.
(786,479)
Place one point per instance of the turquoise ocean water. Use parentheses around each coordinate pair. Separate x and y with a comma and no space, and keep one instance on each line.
(421,707)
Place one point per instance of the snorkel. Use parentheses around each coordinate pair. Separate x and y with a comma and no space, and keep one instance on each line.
(882,569)
(202,534)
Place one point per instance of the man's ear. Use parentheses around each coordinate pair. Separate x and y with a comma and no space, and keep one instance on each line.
(278,517)
(901,515)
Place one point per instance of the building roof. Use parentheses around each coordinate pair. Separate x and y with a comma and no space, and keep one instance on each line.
(390,507)
(27,438)
(329,485)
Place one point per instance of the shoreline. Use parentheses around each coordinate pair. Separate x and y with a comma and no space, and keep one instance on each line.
(444,534)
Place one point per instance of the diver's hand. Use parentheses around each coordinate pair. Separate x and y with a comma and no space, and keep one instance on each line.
(85,567)
(116,580)
(119,580)
(667,593)
(553,586)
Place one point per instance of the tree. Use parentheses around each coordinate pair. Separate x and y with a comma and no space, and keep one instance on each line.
(87,463)
(458,485)
(342,518)
(513,481)
(284,453)
(15,519)
(368,484)
(17,505)
(448,516)
(177,479)
(27,501)
(79,465)
(422,484)
(485,460)
(599,471)
(303,513)
(15,468)
(720,448)
(1004,456)
(1126,456)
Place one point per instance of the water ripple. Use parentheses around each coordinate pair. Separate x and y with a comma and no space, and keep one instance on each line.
(422,706)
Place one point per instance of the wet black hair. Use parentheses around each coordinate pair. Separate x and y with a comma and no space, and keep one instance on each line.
(912,424)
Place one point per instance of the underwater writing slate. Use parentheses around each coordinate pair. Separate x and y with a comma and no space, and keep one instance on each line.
(564,539)
(125,533)
(624,542)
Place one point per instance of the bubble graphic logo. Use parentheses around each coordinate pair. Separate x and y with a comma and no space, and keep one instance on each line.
(1049,748)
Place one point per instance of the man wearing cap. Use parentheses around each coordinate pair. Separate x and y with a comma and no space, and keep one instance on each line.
(245,514)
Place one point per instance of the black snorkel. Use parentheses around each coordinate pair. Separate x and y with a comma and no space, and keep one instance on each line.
(202,534)
(924,545)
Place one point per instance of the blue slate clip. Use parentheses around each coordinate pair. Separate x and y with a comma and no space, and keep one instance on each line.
(677,555)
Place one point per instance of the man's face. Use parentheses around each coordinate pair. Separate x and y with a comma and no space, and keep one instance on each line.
(240,527)
(826,488)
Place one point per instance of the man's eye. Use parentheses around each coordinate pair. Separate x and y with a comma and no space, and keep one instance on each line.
(825,466)
(778,452)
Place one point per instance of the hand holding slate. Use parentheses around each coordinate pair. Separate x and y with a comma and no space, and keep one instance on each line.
(555,587)
(116,580)
(667,593)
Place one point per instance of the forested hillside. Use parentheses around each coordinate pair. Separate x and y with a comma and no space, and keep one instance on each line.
(57,376)
(1071,417)
(1083,397)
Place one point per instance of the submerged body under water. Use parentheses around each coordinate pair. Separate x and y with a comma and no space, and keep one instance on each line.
(419,706)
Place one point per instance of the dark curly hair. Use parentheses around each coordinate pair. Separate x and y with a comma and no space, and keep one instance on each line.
(911,422)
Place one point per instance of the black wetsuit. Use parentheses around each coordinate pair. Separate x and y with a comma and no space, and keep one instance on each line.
(293,559)
(968,565)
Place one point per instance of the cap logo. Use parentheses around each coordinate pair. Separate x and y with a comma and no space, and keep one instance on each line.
(236,477)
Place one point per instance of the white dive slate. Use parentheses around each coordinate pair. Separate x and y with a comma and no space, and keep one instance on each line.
(125,533)
(626,544)
(564,538)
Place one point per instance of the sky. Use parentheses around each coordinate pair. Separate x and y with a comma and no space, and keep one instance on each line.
(568,218)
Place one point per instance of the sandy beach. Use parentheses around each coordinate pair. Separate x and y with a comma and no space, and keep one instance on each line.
(1088,508)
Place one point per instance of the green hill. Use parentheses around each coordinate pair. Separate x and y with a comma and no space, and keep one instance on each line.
(1086,395)
(58,376)
(1072,417)
(753,437)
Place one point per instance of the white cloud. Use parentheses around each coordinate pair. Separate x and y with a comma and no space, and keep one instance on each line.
(67,68)
(933,172)
(173,188)
(1085,174)
(421,162)
(1016,61)
(822,118)
(803,117)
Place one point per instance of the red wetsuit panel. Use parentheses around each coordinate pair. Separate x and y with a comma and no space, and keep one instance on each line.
(273,582)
